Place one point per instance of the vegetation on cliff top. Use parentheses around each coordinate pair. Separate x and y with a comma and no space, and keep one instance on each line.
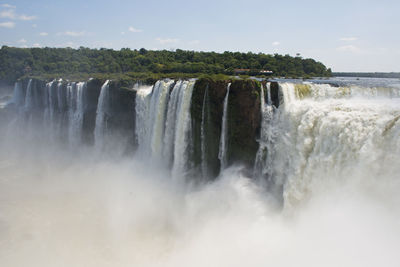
(19,62)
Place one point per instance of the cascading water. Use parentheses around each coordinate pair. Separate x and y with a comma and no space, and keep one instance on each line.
(204,116)
(151,109)
(169,138)
(327,137)
(29,100)
(158,109)
(335,150)
(101,117)
(182,132)
(18,97)
(223,145)
(163,123)
(264,156)
(142,105)
(75,103)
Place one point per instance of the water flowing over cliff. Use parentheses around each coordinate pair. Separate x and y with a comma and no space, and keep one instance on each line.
(289,134)
(335,133)
(117,173)
(224,132)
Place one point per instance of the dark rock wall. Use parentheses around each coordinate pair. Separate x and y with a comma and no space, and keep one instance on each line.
(243,121)
(244,117)
(216,91)
(91,97)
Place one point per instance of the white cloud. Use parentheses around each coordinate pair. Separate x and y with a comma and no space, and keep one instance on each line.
(22,41)
(276,43)
(348,39)
(34,25)
(43,34)
(122,33)
(71,33)
(349,48)
(8,6)
(10,14)
(132,29)
(167,40)
(25,17)
(8,24)
(36,45)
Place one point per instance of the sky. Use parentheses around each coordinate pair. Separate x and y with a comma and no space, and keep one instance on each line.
(350,35)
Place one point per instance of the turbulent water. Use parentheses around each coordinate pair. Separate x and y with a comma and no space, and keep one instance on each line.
(334,152)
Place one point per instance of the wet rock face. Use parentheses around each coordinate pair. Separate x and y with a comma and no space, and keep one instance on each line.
(216,91)
(91,97)
(121,121)
(275,94)
(243,121)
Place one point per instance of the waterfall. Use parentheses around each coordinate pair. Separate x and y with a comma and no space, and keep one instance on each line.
(151,109)
(50,109)
(223,145)
(169,138)
(18,97)
(264,156)
(158,109)
(101,117)
(182,132)
(329,137)
(142,127)
(75,104)
(204,165)
(60,96)
(163,123)
(29,98)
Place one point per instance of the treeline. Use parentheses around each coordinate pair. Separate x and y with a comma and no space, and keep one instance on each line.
(367,74)
(17,62)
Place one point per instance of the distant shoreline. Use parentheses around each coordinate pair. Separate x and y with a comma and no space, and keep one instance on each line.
(367,74)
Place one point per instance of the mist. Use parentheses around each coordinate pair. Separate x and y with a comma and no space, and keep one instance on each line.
(324,190)
(69,208)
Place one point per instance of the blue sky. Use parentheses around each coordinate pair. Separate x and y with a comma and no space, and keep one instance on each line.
(350,35)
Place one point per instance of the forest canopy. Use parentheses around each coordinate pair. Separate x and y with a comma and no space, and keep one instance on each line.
(18,62)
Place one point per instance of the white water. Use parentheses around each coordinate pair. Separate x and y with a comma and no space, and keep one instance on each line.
(151,112)
(101,117)
(142,125)
(169,138)
(158,110)
(75,102)
(223,144)
(163,123)
(18,97)
(263,162)
(29,100)
(204,116)
(339,160)
(332,140)
(182,132)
